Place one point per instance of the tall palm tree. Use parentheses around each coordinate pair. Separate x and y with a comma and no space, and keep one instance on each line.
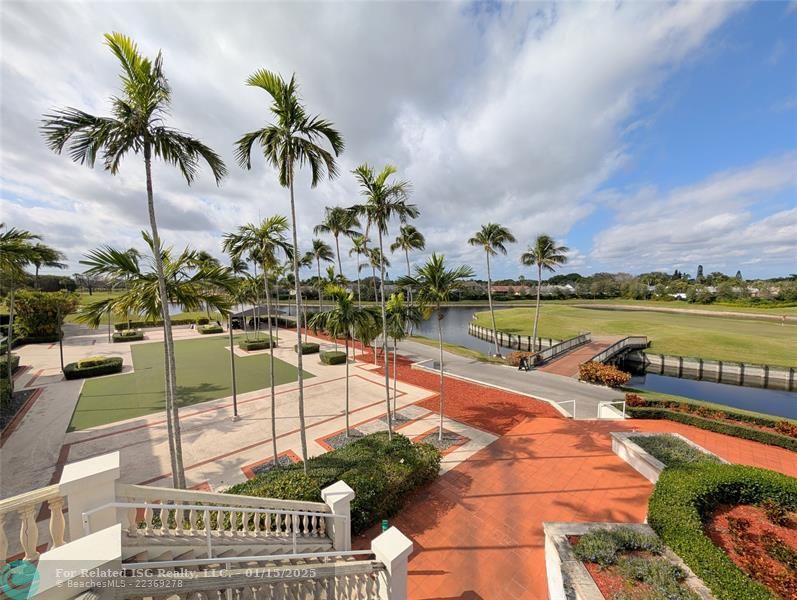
(546,255)
(377,261)
(360,248)
(264,240)
(137,126)
(338,221)
(401,317)
(203,257)
(344,319)
(320,251)
(294,139)
(18,249)
(408,239)
(45,256)
(493,238)
(434,284)
(383,200)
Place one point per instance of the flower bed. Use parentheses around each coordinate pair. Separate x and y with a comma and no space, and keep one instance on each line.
(687,498)
(762,545)
(93,367)
(595,372)
(382,474)
(333,357)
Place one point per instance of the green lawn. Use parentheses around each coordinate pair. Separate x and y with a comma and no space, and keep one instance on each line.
(203,373)
(722,338)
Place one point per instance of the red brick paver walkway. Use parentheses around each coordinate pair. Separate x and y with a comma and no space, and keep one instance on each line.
(477,529)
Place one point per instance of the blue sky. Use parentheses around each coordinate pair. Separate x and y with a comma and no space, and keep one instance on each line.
(644,135)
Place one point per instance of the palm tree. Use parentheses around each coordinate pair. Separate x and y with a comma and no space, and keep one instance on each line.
(344,319)
(320,251)
(360,248)
(137,126)
(338,221)
(383,200)
(434,284)
(264,241)
(203,257)
(493,239)
(295,139)
(18,249)
(44,256)
(377,261)
(401,317)
(545,254)
(408,239)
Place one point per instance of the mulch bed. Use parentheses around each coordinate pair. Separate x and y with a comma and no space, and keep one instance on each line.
(450,439)
(282,461)
(339,440)
(17,401)
(746,535)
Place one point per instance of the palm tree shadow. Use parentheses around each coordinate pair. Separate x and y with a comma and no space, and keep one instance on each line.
(188,395)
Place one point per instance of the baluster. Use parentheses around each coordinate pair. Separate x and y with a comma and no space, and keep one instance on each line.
(288,523)
(57,524)
(178,520)
(192,521)
(132,518)
(148,520)
(220,520)
(164,520)
(29,533)
(257,524)
(206,519)
(3,539)
(304,530)
(267,523)
(322,530)
(245,516)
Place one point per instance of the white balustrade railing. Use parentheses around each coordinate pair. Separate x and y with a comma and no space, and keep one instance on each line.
(21,512)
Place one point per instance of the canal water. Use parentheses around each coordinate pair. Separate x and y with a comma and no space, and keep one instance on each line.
(772,402)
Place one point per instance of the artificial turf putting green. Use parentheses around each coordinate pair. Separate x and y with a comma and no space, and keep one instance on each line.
(203,373)
(709,337)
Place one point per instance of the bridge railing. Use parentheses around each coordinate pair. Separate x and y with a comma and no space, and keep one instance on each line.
(629,342)
(562,347)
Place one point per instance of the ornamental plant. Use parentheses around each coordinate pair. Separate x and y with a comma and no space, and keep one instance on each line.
(595,372)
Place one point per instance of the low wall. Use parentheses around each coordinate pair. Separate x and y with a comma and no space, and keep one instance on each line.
(718,371)
(508,340)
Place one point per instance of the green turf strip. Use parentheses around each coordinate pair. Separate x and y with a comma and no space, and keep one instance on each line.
(203,373)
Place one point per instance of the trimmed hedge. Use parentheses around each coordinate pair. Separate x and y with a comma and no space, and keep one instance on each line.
(333,357)
(681,502)
(382,474)
(205,329)
(259,343)
(128,335)
(158,323)
(307,348)
(4,365)
(94,366)
(740,431)
(202,321)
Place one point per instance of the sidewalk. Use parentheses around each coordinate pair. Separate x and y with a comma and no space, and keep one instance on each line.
(549,387)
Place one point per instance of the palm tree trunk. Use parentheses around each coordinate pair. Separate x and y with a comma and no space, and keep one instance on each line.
(395,352)
(490,301)
(36,278)
(384,335)
(409,288)
(320,302)
(271,371)
(440,340)
(277,322)
(337,253)
(537,310)
(297,286)
(347,386)
(172,412)
(359,295)
(10,341)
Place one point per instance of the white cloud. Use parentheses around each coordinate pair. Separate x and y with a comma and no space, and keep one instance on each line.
(515,115)
(715,222)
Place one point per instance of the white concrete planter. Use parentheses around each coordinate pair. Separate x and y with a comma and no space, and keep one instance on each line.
(568,578)
(648,466)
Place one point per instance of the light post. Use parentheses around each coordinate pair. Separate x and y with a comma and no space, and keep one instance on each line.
(60,338)
(232,370)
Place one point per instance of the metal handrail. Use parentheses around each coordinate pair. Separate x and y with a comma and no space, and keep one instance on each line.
(564,346)
(610,403)
(634,341)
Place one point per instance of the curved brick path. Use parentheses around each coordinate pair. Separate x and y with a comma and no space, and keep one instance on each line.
(477,529)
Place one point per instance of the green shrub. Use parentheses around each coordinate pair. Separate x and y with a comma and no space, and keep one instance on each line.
(206,329)
(333,357)
(382,473)
(775,511)
(202,321)
(36,314)
(662,577)
(602,546)
(683,499)
(128,335)
(156,323)
(740,431)
(513,358)
(93,366)
(5,394)
(4,365)
(307,348)
(671,450)
(258,343)
(595,372)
